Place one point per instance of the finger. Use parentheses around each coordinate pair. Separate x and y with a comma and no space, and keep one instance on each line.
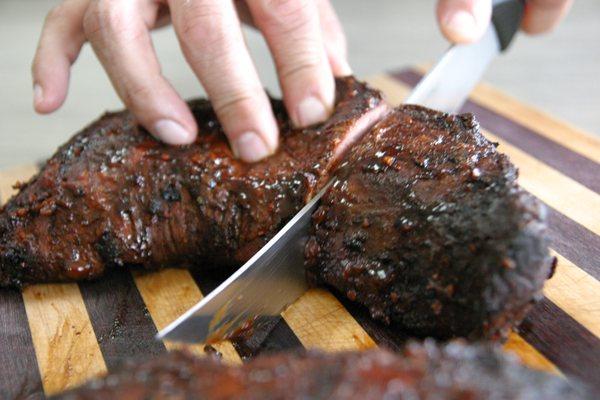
(211,38)
(543,15)
(119,35)
(293,32)
(59,45)
(464,21)
(335,40)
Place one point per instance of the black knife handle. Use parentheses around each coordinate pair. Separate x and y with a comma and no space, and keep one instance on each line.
(506,17)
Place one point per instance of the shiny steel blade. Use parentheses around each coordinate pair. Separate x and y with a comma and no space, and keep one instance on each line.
(448,84)
(274,278)
(270,281)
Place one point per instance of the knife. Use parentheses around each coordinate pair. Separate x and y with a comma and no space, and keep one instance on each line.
(274,277)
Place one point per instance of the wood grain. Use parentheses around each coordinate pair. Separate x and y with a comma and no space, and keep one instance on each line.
(528,354)
(544,124)
(168,294)
(561,132)
(563,341)
(65,345)
(122,324)
(554,188)
(575,292)
(20,377)
(320,321)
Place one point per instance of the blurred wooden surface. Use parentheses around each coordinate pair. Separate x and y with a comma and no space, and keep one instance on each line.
(557,73)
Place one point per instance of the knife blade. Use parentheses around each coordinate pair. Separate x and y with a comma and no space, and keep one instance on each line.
(274,277)
(448,84)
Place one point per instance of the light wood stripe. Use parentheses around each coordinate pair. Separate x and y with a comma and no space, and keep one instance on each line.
(320,321)
(575,292)
(539,121)
(65,344)
(529,355)
(542,123)
(168,294)
(553,188)
(9,177)
(549,185)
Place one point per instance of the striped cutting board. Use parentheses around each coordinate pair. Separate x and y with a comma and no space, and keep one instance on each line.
(53,337)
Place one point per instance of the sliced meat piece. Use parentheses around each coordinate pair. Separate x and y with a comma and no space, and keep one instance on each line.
(113,195)
(421,371)
(427,227)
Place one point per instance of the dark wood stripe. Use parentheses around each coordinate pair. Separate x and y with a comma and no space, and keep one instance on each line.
(571,347)
(122,324)
(573,241)
(19,372)
(271,333)
(570,163)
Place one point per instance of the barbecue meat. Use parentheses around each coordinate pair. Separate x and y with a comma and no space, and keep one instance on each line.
(113,195)
(421,371)
(427,227)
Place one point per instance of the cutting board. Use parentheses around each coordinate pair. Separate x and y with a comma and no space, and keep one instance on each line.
(54,337)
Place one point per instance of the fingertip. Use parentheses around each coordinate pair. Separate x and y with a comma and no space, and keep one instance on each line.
(543,17)
(463,21)
(339,66)
(250,147)
(460,27)
(172,132)
(310,111)
(45,101)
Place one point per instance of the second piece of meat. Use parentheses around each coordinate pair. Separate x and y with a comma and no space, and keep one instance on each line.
(427,227)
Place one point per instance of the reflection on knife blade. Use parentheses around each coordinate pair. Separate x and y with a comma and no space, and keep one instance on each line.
(279,265)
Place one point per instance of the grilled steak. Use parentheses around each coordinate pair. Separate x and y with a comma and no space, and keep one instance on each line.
(421,371)
(113,195)
(427,227)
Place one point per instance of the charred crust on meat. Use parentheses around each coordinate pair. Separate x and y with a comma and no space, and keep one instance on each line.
(119,197)
(452,247)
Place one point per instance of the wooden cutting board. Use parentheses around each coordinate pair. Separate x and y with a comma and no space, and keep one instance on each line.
(54,337)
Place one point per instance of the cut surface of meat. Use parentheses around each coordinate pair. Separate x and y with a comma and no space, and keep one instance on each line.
(114,196)
(427,227)
(420,371)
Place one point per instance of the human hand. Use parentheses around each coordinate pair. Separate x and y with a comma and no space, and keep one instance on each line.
(464,21)
(304,37)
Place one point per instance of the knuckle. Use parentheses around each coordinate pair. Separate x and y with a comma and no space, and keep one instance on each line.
(289,18)
(202,25)
(57,13)
(104,15)
(304,65)
(228,104)
(288,9)
(133,95)
(91,21)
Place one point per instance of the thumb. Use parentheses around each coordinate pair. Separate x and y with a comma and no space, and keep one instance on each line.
(464,21)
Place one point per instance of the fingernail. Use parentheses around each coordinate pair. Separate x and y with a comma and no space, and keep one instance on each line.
(38,94)
(250,147)
(342,69)
(461,26)
(172,133)
(311,111)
